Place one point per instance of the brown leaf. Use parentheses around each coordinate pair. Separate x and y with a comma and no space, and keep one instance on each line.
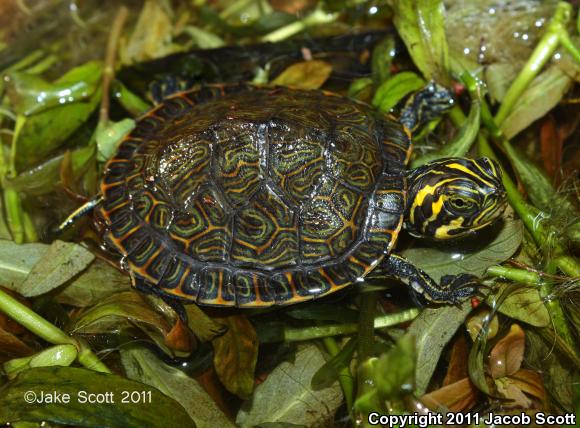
(235,355)
(180,338)
(476,320)
(304,75)
(509,390)
(551,145)
(506,356)
(529,382)
(215,389)
(457,397)
(457,369)
(204,327)
(12,347)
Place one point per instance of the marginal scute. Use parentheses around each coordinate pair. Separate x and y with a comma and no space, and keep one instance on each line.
(247,196)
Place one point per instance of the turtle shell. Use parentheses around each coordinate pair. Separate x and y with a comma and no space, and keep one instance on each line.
(255,196)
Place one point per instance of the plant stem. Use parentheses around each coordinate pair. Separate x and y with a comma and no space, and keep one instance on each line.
(317,332)
(318,17)
(366,333)
(516,275)
(345,377)
(47,331)
(109,69)
(540,56)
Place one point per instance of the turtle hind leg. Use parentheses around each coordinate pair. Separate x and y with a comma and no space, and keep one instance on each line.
(176,304)
(453,289)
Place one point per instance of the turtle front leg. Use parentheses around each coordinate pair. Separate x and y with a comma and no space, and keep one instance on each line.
(452,289)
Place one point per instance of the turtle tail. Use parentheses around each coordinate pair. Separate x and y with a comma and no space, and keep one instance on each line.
(424,106)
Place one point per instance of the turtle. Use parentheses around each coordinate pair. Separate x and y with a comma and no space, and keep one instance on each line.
(252,196)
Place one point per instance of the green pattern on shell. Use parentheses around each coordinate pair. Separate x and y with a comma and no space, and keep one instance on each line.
(254,196)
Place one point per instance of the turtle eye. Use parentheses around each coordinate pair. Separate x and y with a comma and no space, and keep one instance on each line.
(461,204)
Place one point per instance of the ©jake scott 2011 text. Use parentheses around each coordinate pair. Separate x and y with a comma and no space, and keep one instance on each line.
(450,418)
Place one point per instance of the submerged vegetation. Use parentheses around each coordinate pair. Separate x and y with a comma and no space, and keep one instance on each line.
(79,74)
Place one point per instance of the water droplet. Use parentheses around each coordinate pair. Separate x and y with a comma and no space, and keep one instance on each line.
(466,51)
(373,10)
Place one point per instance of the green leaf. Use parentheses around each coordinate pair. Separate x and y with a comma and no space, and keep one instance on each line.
(496,244)
(395,89)
(305,75)
(46,131)
(109,136)
(130,101)
(78,383)
(525,304)
(432,330)
(395,369)
(203,39)
(235,355)
(43,178)
(60,355)
(30,94)
(60,263)
(382,59)
(143,366)
(96,283)
(16,261)
(286,395)
(543,94)
(421,25)
(4,232)
(330,371)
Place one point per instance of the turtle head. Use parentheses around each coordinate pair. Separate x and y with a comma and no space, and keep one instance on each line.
(454,197)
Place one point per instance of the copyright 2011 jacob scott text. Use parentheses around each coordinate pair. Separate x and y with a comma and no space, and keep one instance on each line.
(450,418)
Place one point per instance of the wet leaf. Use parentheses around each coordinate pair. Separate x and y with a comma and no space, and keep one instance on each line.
(330,371)
(109,136)
(235,355)
(478,319)
(30,94)
(204,327)
(60,263)
(433,329)
(421,25)
(60,355)
(500,242)
(458,396)
(506,356)
(45,132)
(361,89)
(143,366)
(96,283)
(304,75)
(180,338)
(286,396)
(130,101)
(539,98)
(393,90)
(382,59)
(394,383)
(525,304)
(71,381)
